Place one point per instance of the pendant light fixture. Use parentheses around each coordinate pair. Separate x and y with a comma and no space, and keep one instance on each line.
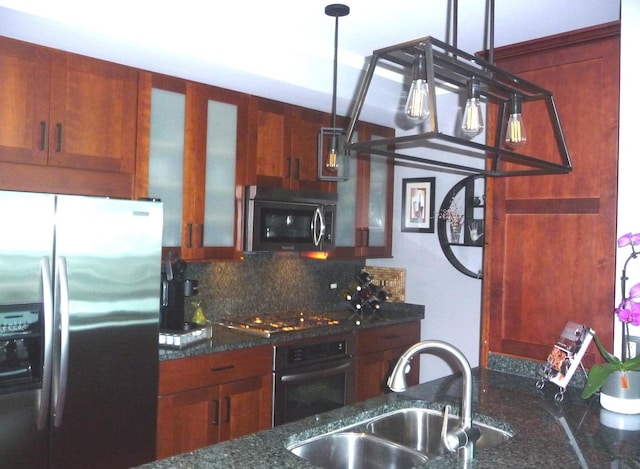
(428,140)
(333,158)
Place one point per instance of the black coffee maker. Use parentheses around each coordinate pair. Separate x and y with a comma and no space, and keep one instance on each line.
(174,289)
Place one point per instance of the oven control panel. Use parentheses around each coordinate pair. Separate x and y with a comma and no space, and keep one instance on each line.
(312,351)
(316,352)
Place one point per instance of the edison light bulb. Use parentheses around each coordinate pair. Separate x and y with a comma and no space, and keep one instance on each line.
(472,121)
(417,107)
(332,159)
(515,134)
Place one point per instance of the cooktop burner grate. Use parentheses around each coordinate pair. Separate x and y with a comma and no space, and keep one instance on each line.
(268,324)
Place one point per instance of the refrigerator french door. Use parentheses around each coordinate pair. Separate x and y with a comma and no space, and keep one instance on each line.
(79,302)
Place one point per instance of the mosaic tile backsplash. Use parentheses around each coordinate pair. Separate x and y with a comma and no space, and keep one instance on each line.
(269,282)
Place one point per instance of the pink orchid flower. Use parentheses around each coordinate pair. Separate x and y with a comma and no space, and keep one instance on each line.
(629,310)
(632,239)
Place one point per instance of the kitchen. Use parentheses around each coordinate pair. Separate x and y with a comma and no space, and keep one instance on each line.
(439,279)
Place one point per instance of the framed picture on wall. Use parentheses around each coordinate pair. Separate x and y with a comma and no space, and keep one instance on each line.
(418,205)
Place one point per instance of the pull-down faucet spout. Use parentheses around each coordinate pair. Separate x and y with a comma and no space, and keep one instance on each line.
(464,436)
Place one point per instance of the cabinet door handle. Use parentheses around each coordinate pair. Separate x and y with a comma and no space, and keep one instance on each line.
(201,235)
(190,238)
(297,175)
(223,368)
(58,137)
(43,134)
(216,417)
(228,401)
(289,168)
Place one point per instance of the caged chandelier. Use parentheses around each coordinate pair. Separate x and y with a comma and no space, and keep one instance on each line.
(434,71)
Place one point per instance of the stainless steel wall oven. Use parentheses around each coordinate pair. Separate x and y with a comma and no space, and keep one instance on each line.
(313,376)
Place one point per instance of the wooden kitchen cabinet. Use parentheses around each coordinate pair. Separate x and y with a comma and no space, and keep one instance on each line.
(285,146)
(212,398)
(378,350)
(551,240)
(365,202)
(192,156)
(68,122)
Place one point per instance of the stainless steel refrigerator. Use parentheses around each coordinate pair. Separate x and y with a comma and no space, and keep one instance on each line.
(79,314)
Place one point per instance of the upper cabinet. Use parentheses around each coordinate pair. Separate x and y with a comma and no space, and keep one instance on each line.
(68,122)
(191,155)
(365,202)
(284,141)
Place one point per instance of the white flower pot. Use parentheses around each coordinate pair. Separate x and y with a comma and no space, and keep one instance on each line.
(616,399)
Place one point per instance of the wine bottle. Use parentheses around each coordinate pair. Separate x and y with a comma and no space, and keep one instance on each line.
(364,278)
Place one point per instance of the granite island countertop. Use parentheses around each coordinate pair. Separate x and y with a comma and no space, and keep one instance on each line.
(545,433)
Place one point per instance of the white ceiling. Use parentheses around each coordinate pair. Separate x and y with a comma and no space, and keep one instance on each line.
(281,49)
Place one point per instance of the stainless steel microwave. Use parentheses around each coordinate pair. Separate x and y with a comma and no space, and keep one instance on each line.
(288,220)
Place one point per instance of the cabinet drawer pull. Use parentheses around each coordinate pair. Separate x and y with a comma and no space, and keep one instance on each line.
(58,137)
(391,337)
(216,417)
(223,368)
(228,401)
(297,175)
(190,235)
(43,134)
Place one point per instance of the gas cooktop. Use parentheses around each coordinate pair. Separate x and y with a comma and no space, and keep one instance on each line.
(269,324)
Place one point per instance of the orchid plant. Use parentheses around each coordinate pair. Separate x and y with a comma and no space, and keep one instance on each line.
(628,312)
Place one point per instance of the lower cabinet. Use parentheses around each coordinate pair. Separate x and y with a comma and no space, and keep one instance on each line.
(378,350)
(212,398)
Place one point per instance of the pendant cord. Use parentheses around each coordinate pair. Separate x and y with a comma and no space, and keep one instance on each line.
(335,76)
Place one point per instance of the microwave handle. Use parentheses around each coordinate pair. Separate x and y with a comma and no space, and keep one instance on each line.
(318,227)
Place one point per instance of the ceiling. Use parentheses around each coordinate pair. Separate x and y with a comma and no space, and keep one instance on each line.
(283,49)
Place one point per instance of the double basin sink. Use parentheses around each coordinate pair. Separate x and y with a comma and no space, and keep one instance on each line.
(399,439)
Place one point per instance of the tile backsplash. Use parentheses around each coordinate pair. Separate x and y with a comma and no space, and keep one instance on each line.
(269,282)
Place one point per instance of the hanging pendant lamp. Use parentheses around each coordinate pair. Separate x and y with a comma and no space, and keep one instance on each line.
(333,158)
(428,138)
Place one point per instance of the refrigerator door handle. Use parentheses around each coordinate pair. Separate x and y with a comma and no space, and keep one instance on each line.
(61,389)
(47,300)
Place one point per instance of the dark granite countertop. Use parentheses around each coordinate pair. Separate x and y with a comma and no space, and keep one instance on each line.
(545,433)
(226,339)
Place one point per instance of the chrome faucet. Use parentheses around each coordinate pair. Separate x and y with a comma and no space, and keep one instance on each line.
(464,436)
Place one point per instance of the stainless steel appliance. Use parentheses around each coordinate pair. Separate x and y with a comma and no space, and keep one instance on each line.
(78,330)
(278,323)
(312,376)
(287,220)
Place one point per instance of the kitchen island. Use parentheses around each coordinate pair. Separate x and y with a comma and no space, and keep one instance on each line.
(545,433)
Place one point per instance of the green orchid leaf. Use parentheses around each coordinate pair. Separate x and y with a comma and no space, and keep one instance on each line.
(597,377)
(633,364)
(606,355)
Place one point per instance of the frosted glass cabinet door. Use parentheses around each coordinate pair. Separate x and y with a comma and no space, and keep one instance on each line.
(219,211)
(377,200)
(166,159)
(346,213)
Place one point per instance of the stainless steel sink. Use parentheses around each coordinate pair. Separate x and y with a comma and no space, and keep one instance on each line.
(399,439)
(420,430)
(352,450)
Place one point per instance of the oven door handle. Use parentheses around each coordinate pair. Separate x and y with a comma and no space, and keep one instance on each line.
(316,374)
